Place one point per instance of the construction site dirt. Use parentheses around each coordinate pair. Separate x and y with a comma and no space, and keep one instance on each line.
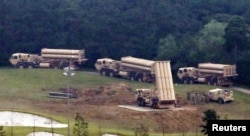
(115,104)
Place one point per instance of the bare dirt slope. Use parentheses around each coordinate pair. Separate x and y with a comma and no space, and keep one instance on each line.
(101,105)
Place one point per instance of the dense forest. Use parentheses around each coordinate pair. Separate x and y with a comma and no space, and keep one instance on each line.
(186,32)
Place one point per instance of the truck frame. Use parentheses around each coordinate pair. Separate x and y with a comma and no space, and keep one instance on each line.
(50,58)
(210,73)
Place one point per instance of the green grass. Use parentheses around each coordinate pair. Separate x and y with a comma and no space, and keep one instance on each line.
(34,84)
(26,82)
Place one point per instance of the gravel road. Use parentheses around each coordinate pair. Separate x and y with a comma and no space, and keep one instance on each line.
(241,90)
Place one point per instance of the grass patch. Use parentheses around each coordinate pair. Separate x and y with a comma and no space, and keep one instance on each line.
(35,83)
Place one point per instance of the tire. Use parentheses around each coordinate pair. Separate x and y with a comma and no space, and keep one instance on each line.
(20,66)
(140,79)
(30,66)
(143,103)
(55,67)
(220,101)
(157,106)
(191,81)
(209,82)
(214,82)
(111,74)
(103,73)
(138,102)
(153,106)
(185,81)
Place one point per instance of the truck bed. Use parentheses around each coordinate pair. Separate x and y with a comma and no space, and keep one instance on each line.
(137,63)
(67,54)
(222,69)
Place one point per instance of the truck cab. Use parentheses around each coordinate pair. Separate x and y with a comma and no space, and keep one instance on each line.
(187,74)
(107,66)
(145,97)
(23,60)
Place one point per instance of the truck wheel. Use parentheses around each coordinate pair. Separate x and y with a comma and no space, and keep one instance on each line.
(185,81)
(21,66)
(30,66)
(103,73)
(143,103)
(132,78)
(209,82)
(214,82)
(55,67)
(220,101)
(111,74)
(140,79)
(138,102)
(157,106)
(191,81)
(153,105)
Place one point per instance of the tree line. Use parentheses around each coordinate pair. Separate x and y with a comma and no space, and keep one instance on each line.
(186,32)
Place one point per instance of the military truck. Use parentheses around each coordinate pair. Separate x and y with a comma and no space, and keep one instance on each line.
(163,96)
(128,67)
(221,95)
(210,73)
(50,58)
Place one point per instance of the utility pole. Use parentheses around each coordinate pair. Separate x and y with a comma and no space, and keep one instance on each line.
(68,72)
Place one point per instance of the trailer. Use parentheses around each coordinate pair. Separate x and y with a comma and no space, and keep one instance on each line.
(210,73)
(163,96)
(128,67)
(50,58)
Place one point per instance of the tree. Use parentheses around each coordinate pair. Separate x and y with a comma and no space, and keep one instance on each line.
(243,63)
(209,115)
(168,48)
(236,36)
(2,133)
(210,41)
(238,46)
(181,51)
(81,127)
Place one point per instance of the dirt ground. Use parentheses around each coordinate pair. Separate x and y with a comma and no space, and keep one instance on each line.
(100,104)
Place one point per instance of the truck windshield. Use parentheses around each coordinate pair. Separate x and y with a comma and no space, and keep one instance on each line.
(14,57)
